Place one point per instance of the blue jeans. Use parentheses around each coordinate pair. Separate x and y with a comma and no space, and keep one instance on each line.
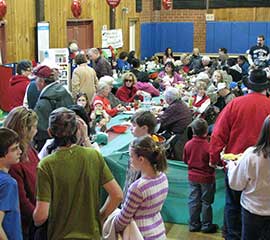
(254,226)
(232,213)
(200,199)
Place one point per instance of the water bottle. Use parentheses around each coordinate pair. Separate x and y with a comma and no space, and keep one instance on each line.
(147,100)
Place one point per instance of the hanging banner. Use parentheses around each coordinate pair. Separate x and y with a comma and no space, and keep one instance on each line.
(113,3)
(43,36)
(112,38)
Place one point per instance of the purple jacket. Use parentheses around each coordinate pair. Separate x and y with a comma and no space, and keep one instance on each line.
(147,87)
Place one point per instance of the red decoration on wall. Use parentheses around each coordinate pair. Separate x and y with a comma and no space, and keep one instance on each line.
(76,8)
(167,4)
(3,8)
(113,3)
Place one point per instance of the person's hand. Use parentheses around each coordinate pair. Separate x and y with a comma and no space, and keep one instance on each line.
(103,122)
(139,92)
(114,64)
(212,165)
(82,128)
(120,108)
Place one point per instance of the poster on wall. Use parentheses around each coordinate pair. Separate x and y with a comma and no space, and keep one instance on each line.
(112,38)
(43,36)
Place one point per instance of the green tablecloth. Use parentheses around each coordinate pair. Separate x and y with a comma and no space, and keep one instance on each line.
(2,117)
(175,209)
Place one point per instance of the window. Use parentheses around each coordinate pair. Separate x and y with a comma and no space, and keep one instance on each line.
(191,4)
(238,3)
(138,5)
(156,4)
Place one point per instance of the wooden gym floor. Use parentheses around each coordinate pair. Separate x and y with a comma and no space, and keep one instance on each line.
(181,232)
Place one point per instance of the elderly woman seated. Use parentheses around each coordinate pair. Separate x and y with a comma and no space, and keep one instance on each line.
(114,101)
(103,90)
(174,120)
(200,100)
(128,92)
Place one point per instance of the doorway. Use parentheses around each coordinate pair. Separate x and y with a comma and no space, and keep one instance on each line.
(82,31)
(134,35)
(2,44)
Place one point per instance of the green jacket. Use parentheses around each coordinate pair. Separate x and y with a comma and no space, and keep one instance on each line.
(54,96)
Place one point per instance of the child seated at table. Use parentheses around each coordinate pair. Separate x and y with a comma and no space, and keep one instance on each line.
(99,117)
(143,124)
(201,179)
(146,195)
(10,220)
(82,100)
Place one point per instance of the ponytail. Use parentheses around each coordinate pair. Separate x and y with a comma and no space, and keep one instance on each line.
(154,153)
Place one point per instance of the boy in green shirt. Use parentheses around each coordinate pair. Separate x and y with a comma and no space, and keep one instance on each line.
(69,183)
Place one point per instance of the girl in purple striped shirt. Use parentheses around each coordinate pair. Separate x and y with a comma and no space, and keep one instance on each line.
(146,196)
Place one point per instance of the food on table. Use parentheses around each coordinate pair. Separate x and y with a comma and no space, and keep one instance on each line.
(231,156)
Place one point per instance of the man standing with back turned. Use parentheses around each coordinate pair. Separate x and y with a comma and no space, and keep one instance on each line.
(237,128)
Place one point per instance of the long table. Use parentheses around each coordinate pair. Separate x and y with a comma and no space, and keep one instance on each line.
(175,209)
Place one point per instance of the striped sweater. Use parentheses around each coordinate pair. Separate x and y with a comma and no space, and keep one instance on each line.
(143,203)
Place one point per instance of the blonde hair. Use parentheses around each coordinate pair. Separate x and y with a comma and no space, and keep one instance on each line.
(129,74)
(21,119)
(201,84)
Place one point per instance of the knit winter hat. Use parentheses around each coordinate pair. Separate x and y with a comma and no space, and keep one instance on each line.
(43,72)
(62,122)
(98,102)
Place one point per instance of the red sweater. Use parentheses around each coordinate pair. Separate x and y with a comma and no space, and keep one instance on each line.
(196,155)
(198,104)
(106,105)
(18,85)
(126,94)
(25,175)
(238,125)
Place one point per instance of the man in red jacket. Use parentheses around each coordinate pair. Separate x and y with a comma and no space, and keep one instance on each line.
(19,83)
(237,128)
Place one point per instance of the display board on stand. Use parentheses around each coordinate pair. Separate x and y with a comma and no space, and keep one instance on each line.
(57,58)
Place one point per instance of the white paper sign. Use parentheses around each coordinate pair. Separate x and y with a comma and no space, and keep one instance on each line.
(112,38)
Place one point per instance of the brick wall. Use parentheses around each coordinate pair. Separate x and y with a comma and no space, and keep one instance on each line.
(181,15)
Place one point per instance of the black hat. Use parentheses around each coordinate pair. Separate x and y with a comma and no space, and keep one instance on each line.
(257,81)
(24,65)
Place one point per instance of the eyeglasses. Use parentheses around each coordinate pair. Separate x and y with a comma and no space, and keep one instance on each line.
(128,80)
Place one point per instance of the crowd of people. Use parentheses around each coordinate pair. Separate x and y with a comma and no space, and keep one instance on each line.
(51,172)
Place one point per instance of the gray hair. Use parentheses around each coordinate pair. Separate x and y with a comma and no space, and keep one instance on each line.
(171,94)
(206,59)
(106,79)
(101,86)
(93,51)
